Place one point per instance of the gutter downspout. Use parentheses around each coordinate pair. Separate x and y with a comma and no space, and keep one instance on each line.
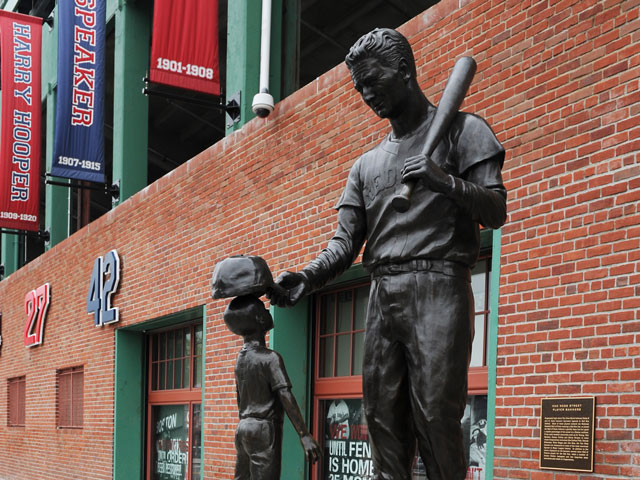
(263,103)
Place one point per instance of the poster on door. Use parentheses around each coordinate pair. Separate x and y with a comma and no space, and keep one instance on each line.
(474,428)
(347,453)
(171,442)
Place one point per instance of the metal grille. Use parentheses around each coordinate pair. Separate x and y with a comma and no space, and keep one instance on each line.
(341,331)
(16,389)
(176,359)
(70,397)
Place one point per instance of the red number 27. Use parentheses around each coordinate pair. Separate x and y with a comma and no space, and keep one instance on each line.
(36,303)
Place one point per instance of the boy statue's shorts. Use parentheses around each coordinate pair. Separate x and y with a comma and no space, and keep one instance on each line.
(258,446)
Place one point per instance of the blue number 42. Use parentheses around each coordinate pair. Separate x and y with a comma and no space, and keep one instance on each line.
(101,290)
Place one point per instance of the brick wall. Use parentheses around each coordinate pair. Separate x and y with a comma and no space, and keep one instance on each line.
(557,80)
(564,77)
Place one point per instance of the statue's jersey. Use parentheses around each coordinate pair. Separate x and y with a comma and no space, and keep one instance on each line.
(259,373)
(435,226)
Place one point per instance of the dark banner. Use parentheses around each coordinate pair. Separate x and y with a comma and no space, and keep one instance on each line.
(21,44)
(79,134)
(184,48)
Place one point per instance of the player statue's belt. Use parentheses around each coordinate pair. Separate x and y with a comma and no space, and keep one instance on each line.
(445,267)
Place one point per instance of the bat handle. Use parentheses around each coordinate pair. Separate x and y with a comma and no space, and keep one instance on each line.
(402,201)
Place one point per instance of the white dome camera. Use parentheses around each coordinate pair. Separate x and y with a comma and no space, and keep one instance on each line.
(262,104)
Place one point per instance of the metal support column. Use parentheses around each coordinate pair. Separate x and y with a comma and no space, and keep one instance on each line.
(9,256)
(131,107)
(57,199)
(243,55)
(243,52)
(290,47)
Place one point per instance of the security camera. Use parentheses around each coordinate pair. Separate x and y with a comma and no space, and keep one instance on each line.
(262,104)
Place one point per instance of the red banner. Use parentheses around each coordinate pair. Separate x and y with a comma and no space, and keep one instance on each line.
(184,48)
(21,44)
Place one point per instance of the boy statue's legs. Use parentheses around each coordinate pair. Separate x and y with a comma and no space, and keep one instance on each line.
(258,447)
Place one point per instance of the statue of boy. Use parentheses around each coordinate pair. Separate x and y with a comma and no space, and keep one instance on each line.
(263,390)
(420,318)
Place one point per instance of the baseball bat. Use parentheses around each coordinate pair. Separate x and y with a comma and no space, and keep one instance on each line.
(452,97)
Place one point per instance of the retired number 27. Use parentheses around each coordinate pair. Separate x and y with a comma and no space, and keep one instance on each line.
(104,283)
(36,304)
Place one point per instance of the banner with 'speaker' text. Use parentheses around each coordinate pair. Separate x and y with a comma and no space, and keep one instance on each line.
(78,151)
(21,44)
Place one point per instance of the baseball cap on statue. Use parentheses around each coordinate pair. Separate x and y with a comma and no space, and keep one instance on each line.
(241,275)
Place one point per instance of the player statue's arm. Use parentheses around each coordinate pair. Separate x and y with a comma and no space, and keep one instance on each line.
(338,255)
(481,193)
(311,448)
(478,189)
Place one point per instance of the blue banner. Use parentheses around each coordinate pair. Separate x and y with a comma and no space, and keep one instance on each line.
(79,132)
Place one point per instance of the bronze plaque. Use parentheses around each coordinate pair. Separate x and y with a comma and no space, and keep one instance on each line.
(566,433)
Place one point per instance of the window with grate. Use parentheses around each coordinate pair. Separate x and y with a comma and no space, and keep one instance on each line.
(70,384)
(480,276)
(176,359)
(340,335)
(16,389)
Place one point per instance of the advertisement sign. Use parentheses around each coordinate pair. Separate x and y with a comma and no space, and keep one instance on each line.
(21,45)
(78,150)
(184,47)
(474,428)
(347,453)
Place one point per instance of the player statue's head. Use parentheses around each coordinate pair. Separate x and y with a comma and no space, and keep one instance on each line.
(246,315)
(386,45)
(383,71)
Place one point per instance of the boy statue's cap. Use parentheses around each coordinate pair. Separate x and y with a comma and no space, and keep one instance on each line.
(241,275)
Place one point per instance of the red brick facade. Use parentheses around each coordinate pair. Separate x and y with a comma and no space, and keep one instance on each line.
(557,80)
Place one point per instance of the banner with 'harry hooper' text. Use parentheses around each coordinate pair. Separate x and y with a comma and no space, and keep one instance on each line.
(78,150)
(21,44)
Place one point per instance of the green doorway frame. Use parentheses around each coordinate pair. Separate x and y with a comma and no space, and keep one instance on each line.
(129,414)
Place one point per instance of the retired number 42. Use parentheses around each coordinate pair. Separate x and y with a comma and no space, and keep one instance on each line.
(105,278)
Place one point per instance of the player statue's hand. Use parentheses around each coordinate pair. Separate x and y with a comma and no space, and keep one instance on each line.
(421,167)
(289,288)
(311,448)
